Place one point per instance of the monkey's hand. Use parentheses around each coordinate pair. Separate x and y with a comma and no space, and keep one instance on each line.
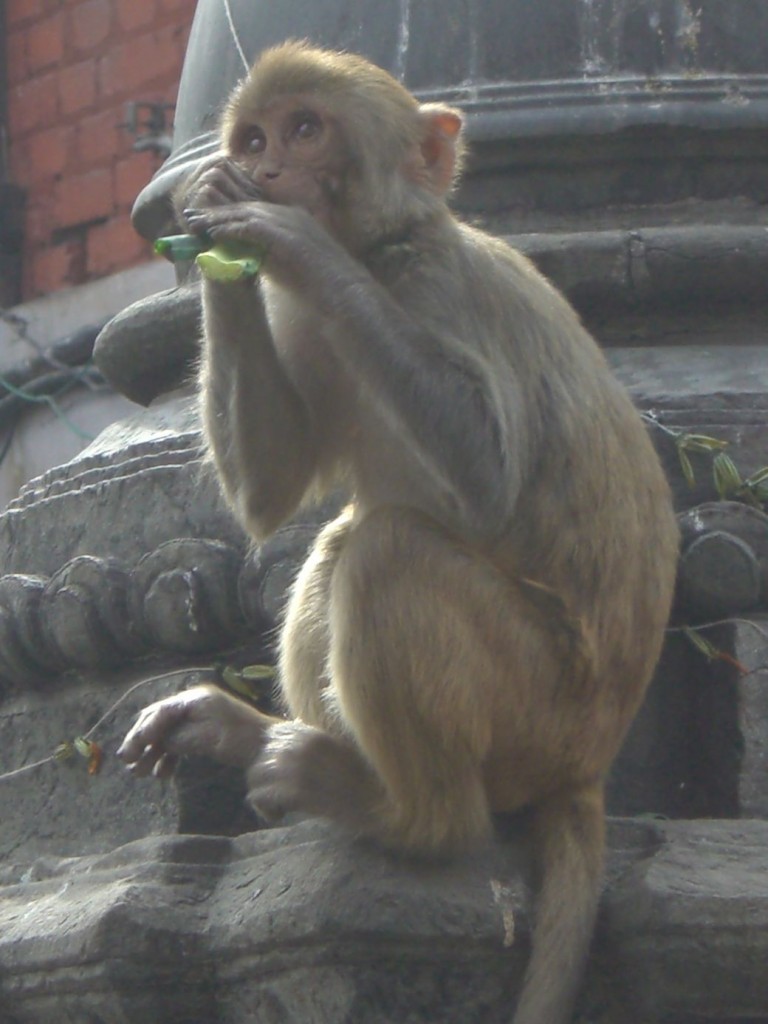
(300,253)
(203,721)
(217,181)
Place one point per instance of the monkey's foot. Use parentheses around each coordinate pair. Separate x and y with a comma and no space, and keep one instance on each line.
(304,769)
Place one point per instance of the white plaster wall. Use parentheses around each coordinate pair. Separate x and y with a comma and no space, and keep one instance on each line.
(44,437)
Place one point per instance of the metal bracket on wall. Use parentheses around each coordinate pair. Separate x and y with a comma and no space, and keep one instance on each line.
(151,125)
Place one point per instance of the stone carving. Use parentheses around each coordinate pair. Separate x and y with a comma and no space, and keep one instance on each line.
(724,562)
(190,595)
(151,346)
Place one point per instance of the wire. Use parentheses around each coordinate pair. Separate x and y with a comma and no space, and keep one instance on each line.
(50,401)
(235,36)
(722,622)
(27,768)
(15,772)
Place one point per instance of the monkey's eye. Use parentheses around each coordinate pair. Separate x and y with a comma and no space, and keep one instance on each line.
(306,125)
(253,140)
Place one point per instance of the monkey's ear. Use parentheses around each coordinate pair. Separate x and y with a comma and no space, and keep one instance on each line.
(441,147)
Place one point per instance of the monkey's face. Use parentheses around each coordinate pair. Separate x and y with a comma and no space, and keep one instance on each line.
(294,152)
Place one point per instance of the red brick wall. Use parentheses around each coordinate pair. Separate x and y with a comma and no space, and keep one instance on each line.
(72,67)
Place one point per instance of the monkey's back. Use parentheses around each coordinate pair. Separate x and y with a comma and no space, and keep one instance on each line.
(591,516)
(594,517)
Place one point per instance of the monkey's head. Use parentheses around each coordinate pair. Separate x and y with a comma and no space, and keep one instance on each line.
(336,134)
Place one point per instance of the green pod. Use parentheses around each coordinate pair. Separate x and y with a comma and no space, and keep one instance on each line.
(229,261)
(180,247)
(226,261)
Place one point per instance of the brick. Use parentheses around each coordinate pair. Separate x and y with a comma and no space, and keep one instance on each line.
(114,246)
(20,11)
(89,25)
(83,198)
(33,104)
(45,155)
(16,53)
(77,87)
(134,14)
(178,7)
(57,266)
(143,61)
(18,160)
(45,43)
(38,220)
(132,174)
(98,137)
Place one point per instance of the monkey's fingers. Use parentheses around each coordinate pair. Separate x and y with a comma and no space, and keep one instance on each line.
(220,185)
(155,725)
(165,766)
(147,762)
(264,225)
(241,184)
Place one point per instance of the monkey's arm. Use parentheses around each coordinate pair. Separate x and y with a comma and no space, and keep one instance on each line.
(257,425)
(440,409)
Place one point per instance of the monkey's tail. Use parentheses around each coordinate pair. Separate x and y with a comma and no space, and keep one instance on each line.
(568,836)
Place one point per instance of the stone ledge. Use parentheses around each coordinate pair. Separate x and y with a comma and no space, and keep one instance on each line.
(695,267)
(298,925)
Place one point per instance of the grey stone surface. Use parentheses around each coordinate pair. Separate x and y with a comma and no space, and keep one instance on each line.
(704,728)
(701,378)
(58,808)
(690,925)
(701,389)
(139,484)
(664,768)
(749,644)
(301,925)
(627,92)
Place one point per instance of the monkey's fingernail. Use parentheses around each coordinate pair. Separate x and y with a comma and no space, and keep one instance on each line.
(190,212)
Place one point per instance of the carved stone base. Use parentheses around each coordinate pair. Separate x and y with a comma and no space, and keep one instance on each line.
(299,925)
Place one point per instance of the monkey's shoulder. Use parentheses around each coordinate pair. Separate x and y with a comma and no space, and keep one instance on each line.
(470,267)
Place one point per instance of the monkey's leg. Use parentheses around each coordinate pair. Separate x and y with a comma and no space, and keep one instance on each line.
(305,639)
(367,658)
(414,653)
(414,661)
(444,674)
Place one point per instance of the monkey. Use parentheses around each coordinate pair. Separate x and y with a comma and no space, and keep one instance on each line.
(475,631)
